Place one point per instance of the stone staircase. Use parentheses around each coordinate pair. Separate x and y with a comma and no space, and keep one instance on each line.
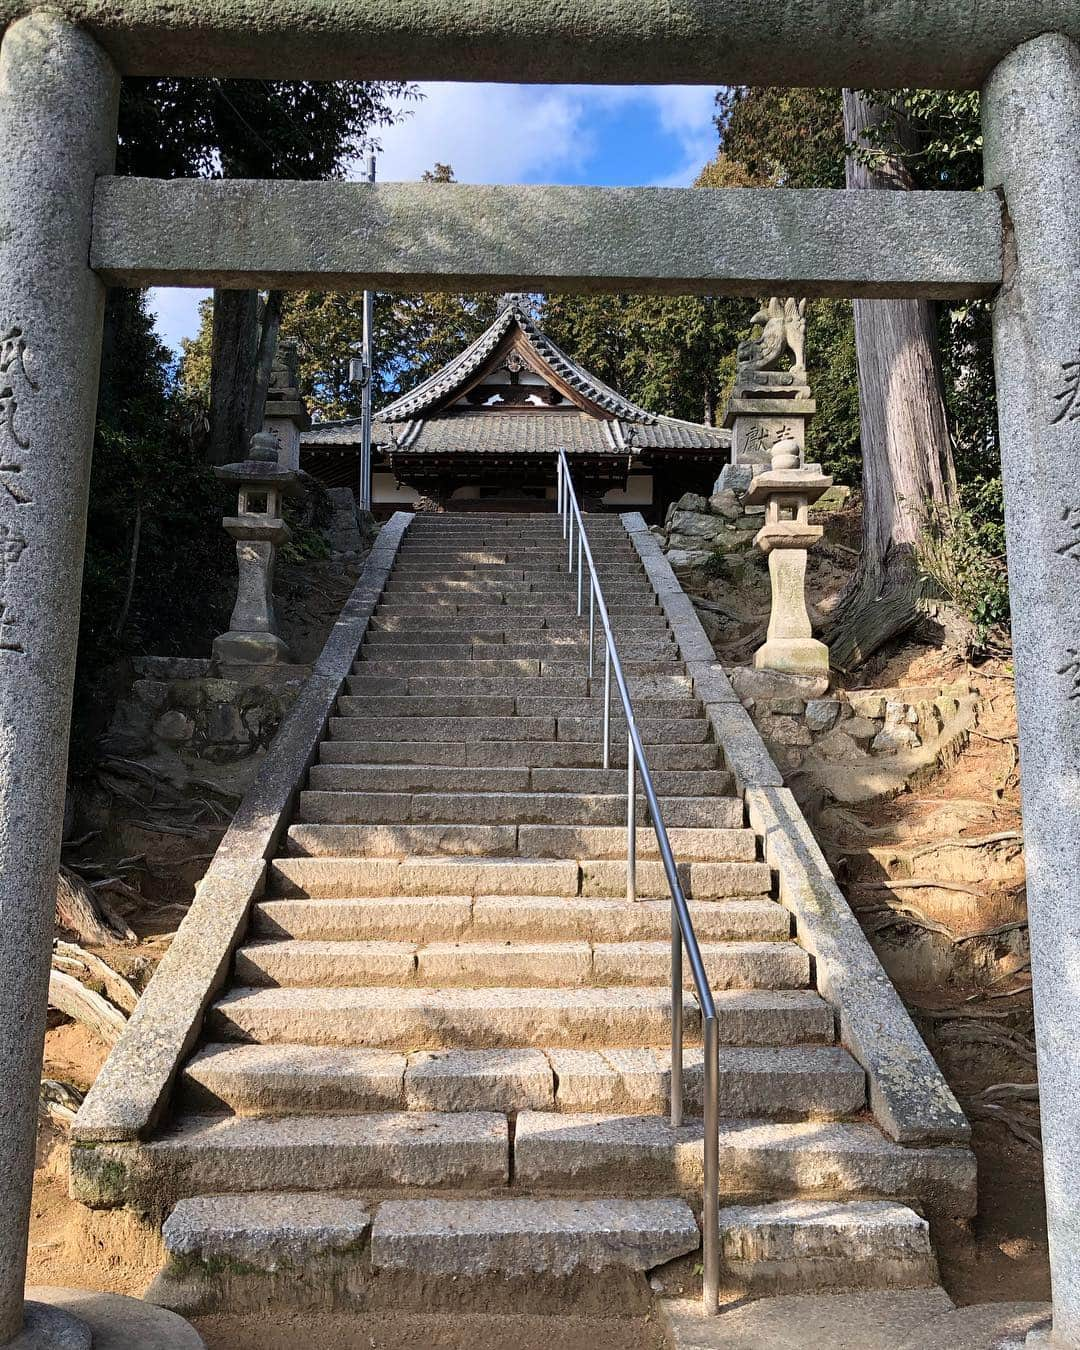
(440,1070)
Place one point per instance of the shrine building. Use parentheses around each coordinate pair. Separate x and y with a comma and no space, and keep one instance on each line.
(481,433)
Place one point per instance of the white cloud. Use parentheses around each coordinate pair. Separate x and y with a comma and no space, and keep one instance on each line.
(510,133)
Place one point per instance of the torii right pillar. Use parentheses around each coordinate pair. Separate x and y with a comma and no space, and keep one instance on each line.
(1031,128)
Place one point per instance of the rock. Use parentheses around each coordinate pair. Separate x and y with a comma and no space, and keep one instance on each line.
(785,730)
(832,499)
(836,747)
(867,703)
(684,559)
(692,501)
(787,707)
(174,727)
(821,713)
(754,684)
(898,732)
(129,730)
(893,739)
(695,524)
(223,723)
(725,504)
(152,693)
(734,478)
(861,729)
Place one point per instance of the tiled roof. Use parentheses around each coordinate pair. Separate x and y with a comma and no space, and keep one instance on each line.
(461,369)
(415,422)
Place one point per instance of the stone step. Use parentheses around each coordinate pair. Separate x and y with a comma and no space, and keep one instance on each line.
(308,1250)
(508,685)
(443,728)
(395,706)
(335,806)
(808,1159)
(492,623)
(348,963)
(525,605)
(710,784)
(349,877)
(347,779)
(204,1155)
(534,755)
(820,1082)
(513,918)
(405,646)
(509,841)
(807,1081)
(810,1246)
(430,1019)
(526,1238)
(700,880)
(370,663)
(466,585)
(532,554)
(667,731)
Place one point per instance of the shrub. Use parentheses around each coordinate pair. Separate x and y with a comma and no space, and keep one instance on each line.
(961,552)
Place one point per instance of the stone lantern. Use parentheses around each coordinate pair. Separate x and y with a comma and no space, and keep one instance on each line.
(787,490)
(259,530)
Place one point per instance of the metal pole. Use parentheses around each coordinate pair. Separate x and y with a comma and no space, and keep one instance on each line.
(676,1022)
(607,705)
(369,358)
(580,573)
(710,1216)
(631,817)
(592,626)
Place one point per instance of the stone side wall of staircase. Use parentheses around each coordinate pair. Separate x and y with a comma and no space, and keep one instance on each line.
(433,1064)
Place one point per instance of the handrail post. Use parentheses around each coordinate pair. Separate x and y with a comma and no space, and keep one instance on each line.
(592,626)
(607,704)
(570,538)
(631,815)
(676,1021)
(710,1215)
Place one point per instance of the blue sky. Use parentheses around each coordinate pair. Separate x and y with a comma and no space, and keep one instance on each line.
(519,133)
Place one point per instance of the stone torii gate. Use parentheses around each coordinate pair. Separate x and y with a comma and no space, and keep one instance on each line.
(68,229)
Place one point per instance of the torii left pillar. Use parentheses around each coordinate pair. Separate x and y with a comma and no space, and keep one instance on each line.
(58,107)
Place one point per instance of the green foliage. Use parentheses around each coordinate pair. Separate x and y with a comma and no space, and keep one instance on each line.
(783,137)
(171,128)
(147,471)
(962,551)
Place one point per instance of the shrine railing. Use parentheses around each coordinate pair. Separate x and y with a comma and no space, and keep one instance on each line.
(580,562)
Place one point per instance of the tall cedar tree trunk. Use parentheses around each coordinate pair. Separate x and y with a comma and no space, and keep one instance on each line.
(907,454)
(233,360)
(242,354)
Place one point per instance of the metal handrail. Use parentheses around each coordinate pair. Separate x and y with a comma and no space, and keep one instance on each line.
(682,927)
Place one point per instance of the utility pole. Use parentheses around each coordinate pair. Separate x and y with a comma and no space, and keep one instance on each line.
(369,361)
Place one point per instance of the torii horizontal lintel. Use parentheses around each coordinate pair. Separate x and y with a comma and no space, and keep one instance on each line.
(453,237)
(860,43)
